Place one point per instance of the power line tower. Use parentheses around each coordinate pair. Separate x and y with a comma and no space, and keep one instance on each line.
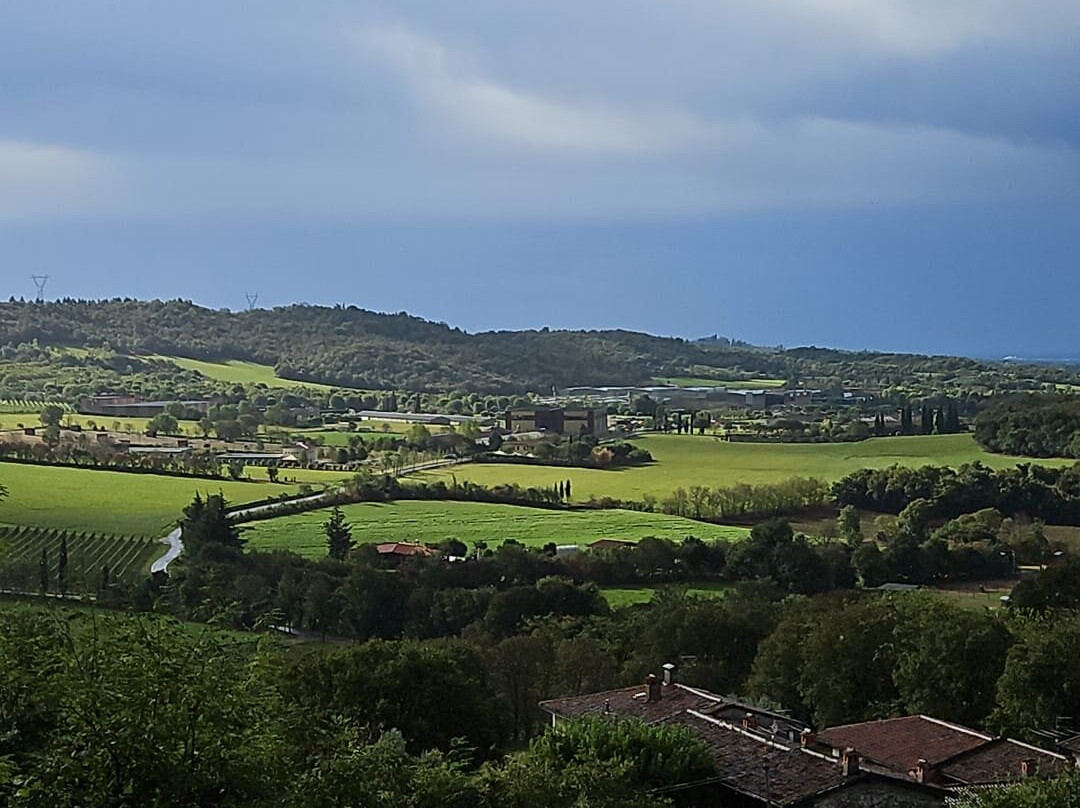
(252,299)
(39,282)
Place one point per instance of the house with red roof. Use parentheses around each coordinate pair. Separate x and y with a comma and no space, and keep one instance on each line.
(767,759)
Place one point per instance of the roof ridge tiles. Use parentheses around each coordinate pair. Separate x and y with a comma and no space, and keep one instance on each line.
(950,725)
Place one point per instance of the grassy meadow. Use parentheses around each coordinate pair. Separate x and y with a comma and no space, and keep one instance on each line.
(618,596)
(687,460)
(474,521)
(238,372)
(110,502)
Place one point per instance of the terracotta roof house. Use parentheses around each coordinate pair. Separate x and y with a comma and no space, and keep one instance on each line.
(929,750)
(764,758)
(403,549)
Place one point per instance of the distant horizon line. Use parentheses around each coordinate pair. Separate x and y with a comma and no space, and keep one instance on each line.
(716,337)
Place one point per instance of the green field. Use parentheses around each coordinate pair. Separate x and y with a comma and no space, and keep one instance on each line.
(87,553)
(474,521)
(11,420)
(617,596)
(110,502)
(683,461)
(234,370)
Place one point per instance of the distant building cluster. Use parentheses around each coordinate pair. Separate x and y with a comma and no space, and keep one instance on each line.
(557,421)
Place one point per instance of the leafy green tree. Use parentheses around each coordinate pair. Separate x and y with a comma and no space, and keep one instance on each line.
(51,415)
(1041,680)
(949,659)
(163,424)
(848,525)
(1059,792)
(339,540)
(50,436)
(653,756)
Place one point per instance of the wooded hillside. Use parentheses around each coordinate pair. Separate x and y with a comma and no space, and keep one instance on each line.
(351,347)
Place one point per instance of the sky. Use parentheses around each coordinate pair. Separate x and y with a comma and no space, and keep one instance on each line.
(895,175)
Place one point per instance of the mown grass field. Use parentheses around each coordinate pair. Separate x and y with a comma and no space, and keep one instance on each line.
(474,521)
(110,501)
(236,371)
(684,460)
(618,596)
(11,420)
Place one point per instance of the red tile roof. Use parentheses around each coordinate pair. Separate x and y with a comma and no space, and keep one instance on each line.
(778,773)
(899,743)
(630,702)
(402,549)
(1000,761)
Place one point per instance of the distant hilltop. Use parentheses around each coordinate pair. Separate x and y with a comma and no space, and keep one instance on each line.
(349,347)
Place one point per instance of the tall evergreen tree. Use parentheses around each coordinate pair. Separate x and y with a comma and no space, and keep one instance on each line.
(568,494)
(62,565)
(926,421)
(952,418)
(907,427)
(103,588)
(207,522)
(339,539)
(43,571)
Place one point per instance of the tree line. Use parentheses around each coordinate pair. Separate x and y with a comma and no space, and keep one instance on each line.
(1035,426)
(1040,492)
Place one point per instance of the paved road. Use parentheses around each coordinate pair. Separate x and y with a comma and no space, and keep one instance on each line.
(176,543)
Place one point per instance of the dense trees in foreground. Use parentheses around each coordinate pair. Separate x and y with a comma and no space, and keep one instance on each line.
(107,710)
(139,712)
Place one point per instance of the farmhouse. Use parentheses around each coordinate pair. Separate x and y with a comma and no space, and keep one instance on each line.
(426,418)
(557,421)
(765,758)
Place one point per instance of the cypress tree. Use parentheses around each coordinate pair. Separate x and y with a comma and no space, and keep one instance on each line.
(952,419)
(906,425)
(568,494)
(103,590)
(62,564)
(339,539)
(926,422)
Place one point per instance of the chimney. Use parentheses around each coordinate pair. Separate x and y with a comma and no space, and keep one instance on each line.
(654,687)
(849,762)
(806,739)
(669,673)
(922,769)
(749,721)
(1028,767)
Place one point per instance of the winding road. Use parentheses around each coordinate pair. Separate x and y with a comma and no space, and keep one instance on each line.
(175,541)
